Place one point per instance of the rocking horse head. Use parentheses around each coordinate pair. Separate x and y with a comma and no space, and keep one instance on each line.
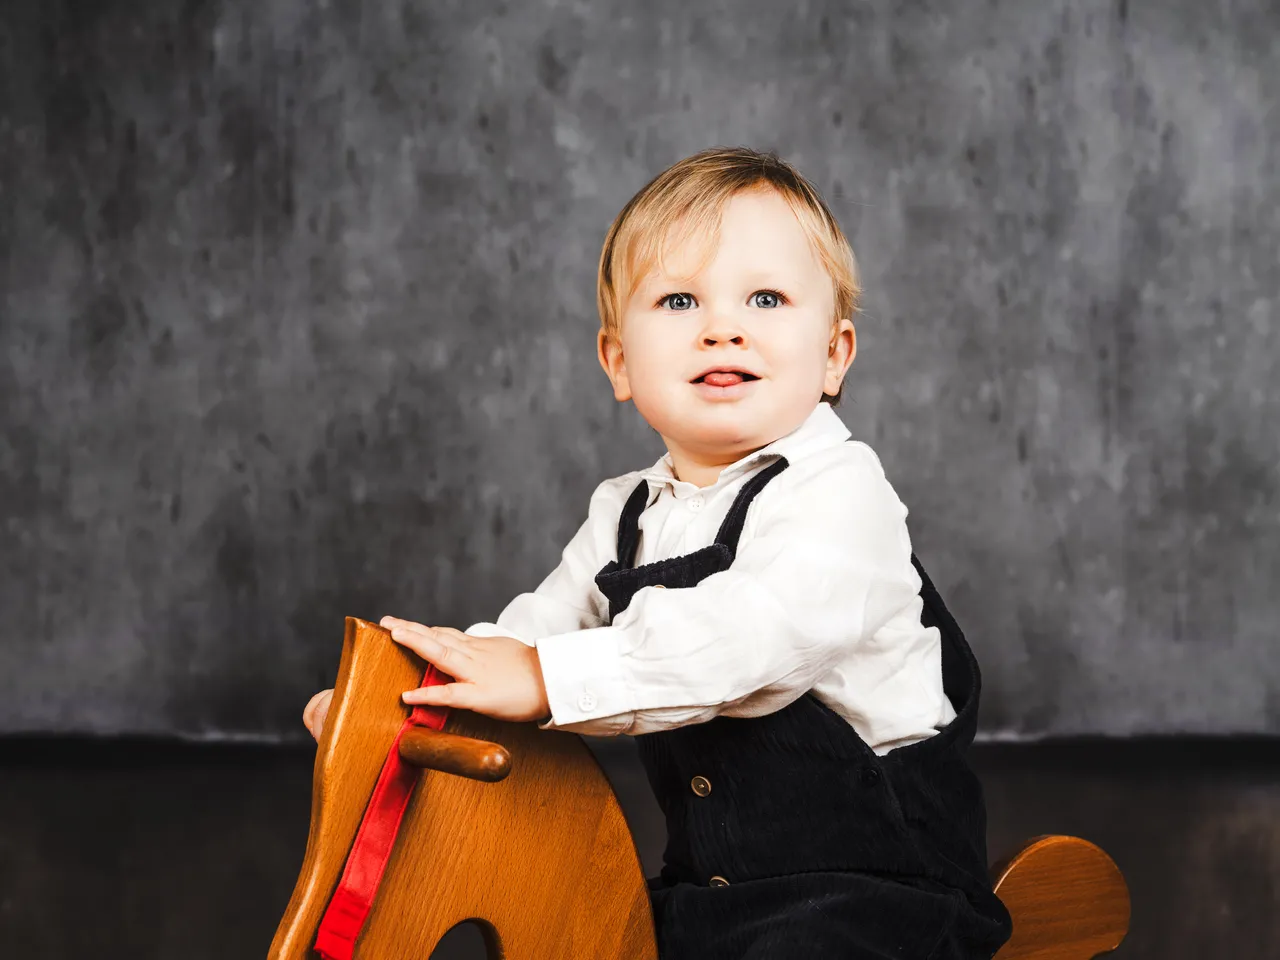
(535,850)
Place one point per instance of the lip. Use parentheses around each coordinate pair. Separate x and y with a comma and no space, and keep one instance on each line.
(734,392)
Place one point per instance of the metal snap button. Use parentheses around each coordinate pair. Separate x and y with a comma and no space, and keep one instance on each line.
(659,586)
(869,776)
(718,881)
(701,786)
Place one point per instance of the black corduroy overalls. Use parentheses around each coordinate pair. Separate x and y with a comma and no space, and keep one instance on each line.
(787,836)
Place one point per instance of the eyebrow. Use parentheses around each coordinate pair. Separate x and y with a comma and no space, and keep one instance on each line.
(764,277)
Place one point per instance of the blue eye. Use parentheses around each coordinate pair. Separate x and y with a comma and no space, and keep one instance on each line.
(679,301)
(682,302)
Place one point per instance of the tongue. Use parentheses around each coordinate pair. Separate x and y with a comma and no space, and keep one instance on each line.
(722,379)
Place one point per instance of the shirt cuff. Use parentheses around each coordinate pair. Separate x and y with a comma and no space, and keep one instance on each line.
(586,685)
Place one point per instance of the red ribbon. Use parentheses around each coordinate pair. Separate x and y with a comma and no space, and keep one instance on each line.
(352,901)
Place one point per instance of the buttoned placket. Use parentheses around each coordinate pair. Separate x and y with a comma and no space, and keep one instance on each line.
(701,788)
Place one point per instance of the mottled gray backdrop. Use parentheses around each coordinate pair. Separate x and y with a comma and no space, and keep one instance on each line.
(297,321)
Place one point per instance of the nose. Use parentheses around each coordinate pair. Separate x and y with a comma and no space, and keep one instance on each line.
(722,328)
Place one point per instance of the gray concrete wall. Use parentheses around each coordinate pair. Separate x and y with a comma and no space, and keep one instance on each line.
(296,321)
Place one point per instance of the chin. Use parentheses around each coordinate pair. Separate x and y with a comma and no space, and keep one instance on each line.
(721,427)
(718,436)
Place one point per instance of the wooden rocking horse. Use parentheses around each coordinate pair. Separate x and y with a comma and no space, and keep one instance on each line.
(517,829)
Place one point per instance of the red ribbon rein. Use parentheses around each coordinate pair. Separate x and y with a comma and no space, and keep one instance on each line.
(352,900)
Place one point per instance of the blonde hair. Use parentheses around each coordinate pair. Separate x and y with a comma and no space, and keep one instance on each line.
(692,194)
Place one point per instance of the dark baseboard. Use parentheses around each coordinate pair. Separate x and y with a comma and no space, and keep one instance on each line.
(145,847)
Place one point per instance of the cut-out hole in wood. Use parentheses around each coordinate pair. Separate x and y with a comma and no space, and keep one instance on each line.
(463,942)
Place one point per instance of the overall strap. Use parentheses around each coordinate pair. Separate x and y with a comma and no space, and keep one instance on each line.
(731,528)
(629,524)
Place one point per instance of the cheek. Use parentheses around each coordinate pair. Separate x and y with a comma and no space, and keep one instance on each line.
(649,389)
(806,353)
(649,363)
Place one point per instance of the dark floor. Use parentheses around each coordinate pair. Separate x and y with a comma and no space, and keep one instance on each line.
(158,850)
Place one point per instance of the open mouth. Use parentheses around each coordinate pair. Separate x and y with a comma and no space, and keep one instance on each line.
(725,378)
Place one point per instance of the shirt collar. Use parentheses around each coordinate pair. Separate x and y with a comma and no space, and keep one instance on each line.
(823,428)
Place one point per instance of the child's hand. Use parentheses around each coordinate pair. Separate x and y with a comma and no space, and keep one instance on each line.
(497,676)
(315,712)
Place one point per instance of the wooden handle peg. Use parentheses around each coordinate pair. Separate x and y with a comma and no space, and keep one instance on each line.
(451,753)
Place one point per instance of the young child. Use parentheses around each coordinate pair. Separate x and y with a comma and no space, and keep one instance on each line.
(749,607)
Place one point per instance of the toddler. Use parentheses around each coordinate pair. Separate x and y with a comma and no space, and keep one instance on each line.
(749,607)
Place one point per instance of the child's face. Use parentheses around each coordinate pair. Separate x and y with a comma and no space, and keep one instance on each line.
(762,307)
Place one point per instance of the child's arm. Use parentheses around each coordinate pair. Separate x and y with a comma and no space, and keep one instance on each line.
(823,564)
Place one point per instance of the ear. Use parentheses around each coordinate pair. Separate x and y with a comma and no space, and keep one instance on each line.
(840,353)
(609,351)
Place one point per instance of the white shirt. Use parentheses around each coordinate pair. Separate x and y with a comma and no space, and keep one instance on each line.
(822,596)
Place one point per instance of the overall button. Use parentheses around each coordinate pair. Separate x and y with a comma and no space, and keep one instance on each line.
(717,882)
(586,703)
(701,786)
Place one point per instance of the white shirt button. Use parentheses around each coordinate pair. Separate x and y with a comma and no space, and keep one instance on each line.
(695,503)
(586,703)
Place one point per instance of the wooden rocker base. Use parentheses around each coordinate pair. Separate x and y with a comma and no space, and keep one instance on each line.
(1067,898)
(541,856)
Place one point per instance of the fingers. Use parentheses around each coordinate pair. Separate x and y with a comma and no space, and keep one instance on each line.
(317,708)
(322,712)
(392,623)
(442,646)
(309,711)
(462,696)
(440,695)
